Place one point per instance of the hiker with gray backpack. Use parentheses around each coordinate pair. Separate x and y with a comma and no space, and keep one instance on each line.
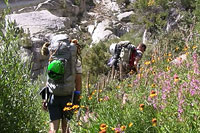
(125,57)
(64,81)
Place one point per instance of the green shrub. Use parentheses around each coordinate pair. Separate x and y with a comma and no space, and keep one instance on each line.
(19,101)
(95,59)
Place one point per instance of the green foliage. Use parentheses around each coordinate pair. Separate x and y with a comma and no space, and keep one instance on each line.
(95,59)
(141,4)
(154,13)
(196,13)
(77,2)
(19,102)
(151,14)
(122,1)
(188,4)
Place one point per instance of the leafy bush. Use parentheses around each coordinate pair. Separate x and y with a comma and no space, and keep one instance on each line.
(19,101)
(95,59)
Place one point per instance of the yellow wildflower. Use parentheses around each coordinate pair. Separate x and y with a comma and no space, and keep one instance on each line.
(176,78)
(153,85)
(153,61)
(130,124)
(130,85)
(194,47)
(141,107)
(177,48)
(93,93)
(82,106)
(154,122)
(66,109)
(90,97)
(169,59)
(69,104)
(100,99)
(147,62)
(168,68)
(100,90)
(153,94)
(169,54)
(151,2)
(131,72)
(76,111)
(123,128)
(75,107)
(153,72)
(118,87)
(88,86)
(185,48)
(79,123)
(103,127)
(139,75)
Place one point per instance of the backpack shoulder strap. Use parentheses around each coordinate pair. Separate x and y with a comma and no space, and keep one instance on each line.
(54,52)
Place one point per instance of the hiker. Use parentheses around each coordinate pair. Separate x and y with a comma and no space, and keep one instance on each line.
(136,56)
(63,81)
(125,56)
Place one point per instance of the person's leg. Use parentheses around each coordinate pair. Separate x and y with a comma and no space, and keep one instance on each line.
(65,127)
(55,113)
(54,126)
(66,115)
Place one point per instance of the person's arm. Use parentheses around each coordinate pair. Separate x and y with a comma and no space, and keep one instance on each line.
(137,59)
(78,82)
(44,93)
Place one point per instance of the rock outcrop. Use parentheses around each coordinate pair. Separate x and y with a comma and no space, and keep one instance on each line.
(104,21)
(40,23)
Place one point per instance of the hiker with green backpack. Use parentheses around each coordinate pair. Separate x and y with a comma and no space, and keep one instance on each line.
(63,80)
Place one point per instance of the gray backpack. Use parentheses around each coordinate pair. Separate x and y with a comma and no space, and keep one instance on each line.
(126,51)
(62,64)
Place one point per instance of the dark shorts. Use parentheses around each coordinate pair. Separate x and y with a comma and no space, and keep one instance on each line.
(56,105)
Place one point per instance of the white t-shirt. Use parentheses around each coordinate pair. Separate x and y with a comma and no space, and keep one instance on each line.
(139,54)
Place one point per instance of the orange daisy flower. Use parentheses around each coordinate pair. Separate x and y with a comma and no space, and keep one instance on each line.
(123,128)
(154,122)
(153,94)
(141,107)
(103,127)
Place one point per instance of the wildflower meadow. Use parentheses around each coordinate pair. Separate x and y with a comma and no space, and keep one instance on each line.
(162,97)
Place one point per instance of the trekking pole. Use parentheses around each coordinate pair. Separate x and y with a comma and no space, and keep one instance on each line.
(108,77)
(88,84)
(98,88)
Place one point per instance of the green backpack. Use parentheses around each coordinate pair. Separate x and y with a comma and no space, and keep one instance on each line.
(61,67)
